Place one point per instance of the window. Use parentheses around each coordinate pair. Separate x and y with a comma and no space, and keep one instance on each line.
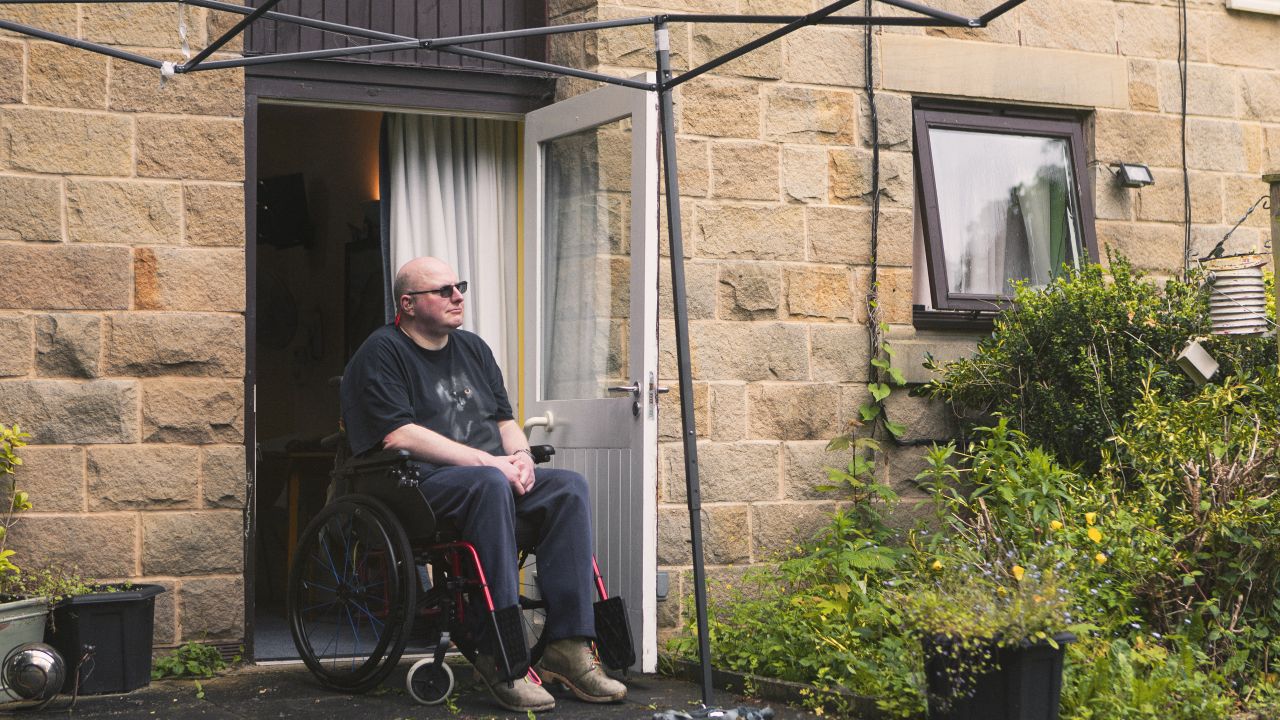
(1000,201)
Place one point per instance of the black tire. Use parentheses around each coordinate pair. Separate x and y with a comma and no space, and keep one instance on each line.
(428,683)
(352,593)
(533,610)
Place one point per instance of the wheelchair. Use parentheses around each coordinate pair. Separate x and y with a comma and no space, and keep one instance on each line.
(374,567)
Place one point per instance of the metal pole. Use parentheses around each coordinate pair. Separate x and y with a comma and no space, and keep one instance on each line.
(1273,179)
(538,65)
(226,36)
(80,44)
(662,41)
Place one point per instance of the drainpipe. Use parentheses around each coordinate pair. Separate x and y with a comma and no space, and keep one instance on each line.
(1273,179)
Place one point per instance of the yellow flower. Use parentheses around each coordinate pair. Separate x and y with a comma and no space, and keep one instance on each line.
(937,565)
(1001,591)
(1018,572)
(1100,558)
(1037,598)
(1090,517)
(1055,525)
(1095,534)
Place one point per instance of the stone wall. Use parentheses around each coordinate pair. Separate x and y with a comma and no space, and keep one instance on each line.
(122,309)
(774,152)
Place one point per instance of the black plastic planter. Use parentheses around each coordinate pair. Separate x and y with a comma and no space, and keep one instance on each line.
(1025,682)
(112,632)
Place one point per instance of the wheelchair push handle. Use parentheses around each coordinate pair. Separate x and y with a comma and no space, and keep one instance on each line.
(541,453)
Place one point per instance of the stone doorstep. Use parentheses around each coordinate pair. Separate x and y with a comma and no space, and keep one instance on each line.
(762,688)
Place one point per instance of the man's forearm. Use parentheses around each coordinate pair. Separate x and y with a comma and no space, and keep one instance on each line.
(513,439)
(433,447)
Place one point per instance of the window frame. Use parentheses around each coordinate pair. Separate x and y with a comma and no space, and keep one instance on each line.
(990,119)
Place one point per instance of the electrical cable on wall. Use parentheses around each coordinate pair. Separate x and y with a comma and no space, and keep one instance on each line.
(1186,175)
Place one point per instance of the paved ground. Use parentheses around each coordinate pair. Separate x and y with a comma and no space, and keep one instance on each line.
(290,692)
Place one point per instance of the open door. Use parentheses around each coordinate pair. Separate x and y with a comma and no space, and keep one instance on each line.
(590,323)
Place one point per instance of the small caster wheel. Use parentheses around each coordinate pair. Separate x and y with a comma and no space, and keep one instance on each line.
(429,683)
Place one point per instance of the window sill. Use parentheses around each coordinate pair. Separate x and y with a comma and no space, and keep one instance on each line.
(962,320)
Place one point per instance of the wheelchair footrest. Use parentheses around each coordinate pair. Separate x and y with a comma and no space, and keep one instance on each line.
(511,654)
(613,634)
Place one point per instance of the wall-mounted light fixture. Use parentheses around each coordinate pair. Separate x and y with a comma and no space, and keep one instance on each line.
(1132,175)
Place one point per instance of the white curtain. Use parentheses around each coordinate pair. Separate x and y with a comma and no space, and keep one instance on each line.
(453,194)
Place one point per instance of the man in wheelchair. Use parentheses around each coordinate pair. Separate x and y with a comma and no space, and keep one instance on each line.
(424,385)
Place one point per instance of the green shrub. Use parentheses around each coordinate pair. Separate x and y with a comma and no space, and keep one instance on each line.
(191,660)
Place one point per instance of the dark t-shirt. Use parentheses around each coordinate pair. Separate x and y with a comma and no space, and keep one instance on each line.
(456,391)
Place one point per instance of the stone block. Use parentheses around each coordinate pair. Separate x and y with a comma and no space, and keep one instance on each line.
(30,209)
(53,476)
(894,116)
(59,18)
(840,353)
(821,293)
(1244,239)
(746,171)
(97,546)
(1111,201)
(56,142)
(1151,246)
(925,419)
(141,25)
(135,88)
(807,115)
(1245,39)
(1261,95)
(804,174)
(723,108)
(824,56)
(215,214)
(193,411)
(1084,25)
(124,212)
(222,472)
(700,290)
(1272,159)
(912,348)
(727,472)
(694,158)
(1153,138)
(211,609)
(728,411)
(850,177)
(804,469)
(749,291)
(1216,145)
(192,543)
(11,70)
(749,351)
(1144,85)
(15,345)
(1147,31)
(632,47)
(841,234)
(196,148)
(793,411)
(65,277)
(1004,30)
(165,625)
(749,232)
(725,535)
(144,344)
(189,279)
(895,293)
(711,41)
(64,412)
(1162,202)
(1210,90)
(673,535)
(778,529)
(898,468)
(1239,192)
(63,76)
(142,477)
(68,345)
(670,423)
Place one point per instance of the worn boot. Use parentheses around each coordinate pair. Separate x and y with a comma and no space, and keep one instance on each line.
(573,663)
(523,695)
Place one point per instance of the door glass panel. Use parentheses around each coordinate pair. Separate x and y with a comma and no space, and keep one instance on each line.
(1007,209)
(586,263)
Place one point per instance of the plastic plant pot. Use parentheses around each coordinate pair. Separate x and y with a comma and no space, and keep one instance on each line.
(105,638)
(1018,682)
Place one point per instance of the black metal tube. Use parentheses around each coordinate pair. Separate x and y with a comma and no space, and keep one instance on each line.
(758,42)
(547,67)
(549,30)
(832,20)
(283,17)
(235,30)
(932,12)
(305,55)
(78,43)
(999,10)
(679,302)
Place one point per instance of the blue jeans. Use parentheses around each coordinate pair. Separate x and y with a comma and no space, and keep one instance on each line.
(480,501)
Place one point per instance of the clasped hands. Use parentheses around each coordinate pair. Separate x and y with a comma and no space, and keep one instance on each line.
(517,468)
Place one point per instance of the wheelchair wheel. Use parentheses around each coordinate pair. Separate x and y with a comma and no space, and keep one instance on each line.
(429,683)
(352,593)
(533,610)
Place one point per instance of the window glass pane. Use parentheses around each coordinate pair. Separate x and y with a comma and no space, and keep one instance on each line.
(1007,209)
(586,266)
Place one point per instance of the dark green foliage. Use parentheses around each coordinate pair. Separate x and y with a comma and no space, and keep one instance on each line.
(192,660)
(1066,364)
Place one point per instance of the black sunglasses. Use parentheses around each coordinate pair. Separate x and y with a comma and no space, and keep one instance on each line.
(445,292)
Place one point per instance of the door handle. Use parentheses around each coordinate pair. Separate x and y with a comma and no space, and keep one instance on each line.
(547,421)
(633,389)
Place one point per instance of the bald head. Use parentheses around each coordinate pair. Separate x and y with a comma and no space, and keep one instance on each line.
(428,316)
(416,272)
